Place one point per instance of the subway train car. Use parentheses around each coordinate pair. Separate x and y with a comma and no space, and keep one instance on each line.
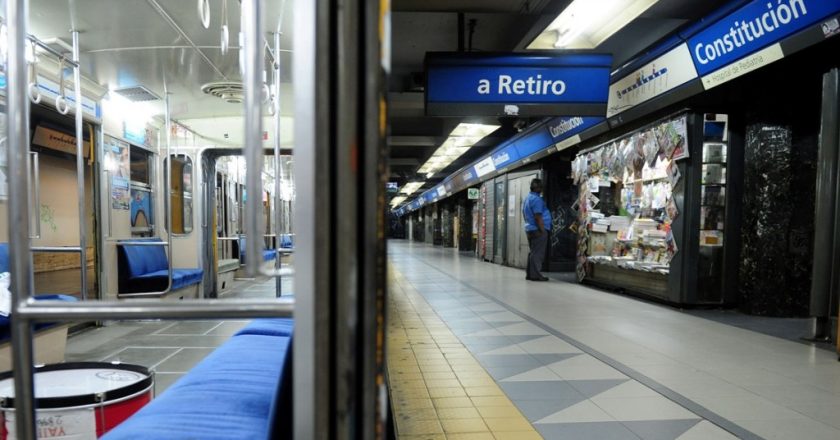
(176,210)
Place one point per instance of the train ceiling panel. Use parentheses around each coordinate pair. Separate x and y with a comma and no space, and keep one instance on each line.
(157,43)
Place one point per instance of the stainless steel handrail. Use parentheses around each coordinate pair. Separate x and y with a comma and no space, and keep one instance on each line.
(251,26)
(278,166)
(20,259)
(61,57)
(80,159)
(58,311)
(36,180)
(110,185)
(57,249)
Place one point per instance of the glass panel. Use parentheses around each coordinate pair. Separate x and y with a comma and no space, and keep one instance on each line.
(501,215)
(140,166)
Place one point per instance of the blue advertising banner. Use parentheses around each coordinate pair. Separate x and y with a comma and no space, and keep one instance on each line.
(564,128)
(537,140)
(753,27)
(517,84)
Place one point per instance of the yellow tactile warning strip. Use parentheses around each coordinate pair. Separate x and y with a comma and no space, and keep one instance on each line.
(438,390)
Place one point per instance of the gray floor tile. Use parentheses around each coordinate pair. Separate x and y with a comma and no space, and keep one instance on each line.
(552,390)
(585,431)
(661,429)
(145,356)
(164,381)
(501,373)
(189,328)
(592,388)
(508,360)
(184,360)
(539,409)
(228,328)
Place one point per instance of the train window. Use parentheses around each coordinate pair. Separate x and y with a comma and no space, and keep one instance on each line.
(141,166)
(142,196)
(181,194)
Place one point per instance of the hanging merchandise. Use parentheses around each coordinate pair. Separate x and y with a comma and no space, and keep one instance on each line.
(617,166)
(651,147)
(672,210)
(678,136)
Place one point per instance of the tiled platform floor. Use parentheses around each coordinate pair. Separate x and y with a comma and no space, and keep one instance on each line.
(438,389)
(584,364)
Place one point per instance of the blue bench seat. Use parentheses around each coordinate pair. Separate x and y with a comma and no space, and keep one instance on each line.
(267,254)
(146,269)
(5,321)
(269,327)
(240,391)
(286,241)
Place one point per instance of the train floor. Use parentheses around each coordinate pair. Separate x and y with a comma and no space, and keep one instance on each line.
(475,351)
(169,348)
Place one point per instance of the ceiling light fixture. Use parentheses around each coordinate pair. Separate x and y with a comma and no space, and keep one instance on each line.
(462,138)
(397,201)
(585,24)
(411,188)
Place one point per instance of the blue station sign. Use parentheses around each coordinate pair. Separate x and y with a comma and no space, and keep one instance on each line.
(517,85)
(753,27)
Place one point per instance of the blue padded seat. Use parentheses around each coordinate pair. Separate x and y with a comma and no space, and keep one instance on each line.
(267,254)
(145,269)
(269,327)
(286,241)
(235,393)
(5,321)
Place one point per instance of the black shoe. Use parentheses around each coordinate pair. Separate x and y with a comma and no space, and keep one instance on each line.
(541,279)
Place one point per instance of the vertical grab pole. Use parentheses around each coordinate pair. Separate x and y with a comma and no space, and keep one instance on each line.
(80,163)
(252,77)
(278,166)
(167,200)
(17,12)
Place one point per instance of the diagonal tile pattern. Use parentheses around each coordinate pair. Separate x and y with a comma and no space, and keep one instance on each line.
(564,392)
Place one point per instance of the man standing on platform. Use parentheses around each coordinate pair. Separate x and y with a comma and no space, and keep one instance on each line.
(537,226)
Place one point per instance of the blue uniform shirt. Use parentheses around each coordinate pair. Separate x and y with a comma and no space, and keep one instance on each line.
(534,204)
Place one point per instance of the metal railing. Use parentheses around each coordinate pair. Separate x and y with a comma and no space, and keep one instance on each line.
(25,311)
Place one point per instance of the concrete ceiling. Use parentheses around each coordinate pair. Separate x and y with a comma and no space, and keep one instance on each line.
(420,26)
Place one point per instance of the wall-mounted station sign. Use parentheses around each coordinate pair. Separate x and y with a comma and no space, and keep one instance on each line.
(574,84)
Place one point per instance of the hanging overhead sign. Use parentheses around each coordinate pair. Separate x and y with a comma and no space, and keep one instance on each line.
(755,26)
(516,85)
(660,76)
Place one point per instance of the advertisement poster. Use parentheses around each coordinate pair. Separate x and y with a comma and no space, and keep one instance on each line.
(117,162)
(141,208)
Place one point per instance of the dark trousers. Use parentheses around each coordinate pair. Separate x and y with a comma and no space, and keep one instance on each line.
(536,243)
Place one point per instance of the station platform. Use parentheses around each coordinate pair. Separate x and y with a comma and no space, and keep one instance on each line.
(580,363)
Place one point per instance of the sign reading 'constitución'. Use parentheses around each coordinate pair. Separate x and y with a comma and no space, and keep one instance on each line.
(516,85)
(753,27)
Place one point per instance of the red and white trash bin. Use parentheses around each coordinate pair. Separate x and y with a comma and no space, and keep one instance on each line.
(79,400)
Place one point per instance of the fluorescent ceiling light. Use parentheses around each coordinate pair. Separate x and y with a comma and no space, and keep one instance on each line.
(410,188)
(585,24)
(397,201)
(462,138)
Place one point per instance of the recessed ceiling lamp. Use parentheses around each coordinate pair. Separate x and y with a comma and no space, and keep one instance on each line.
(585,24)
(397,201)
(411,187)
(462,138)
